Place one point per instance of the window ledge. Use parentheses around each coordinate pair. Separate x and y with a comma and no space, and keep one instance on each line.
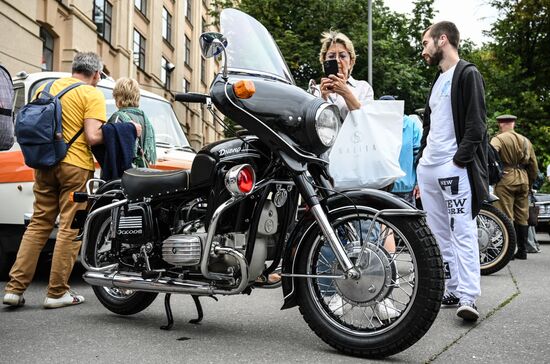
(143,16)
(168,44)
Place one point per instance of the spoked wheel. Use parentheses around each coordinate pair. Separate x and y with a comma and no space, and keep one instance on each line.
(117,300)
(397,297)
(496,239)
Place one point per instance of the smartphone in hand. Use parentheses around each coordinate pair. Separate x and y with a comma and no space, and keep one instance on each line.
(330,67)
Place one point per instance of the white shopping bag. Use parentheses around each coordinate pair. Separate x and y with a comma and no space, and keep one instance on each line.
(366,151)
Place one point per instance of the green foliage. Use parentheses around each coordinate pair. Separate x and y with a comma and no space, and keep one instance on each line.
(515,65)
(516,68)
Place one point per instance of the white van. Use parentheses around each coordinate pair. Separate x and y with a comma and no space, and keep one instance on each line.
(16,179)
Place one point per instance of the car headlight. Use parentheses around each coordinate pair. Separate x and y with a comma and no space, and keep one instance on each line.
(327,124)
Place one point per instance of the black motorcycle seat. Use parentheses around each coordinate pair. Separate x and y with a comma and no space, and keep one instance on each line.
(139,183)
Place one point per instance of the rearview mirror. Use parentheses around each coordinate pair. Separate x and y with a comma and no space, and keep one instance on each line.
(212,44)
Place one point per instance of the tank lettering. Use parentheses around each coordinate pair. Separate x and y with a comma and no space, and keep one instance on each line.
(230,151)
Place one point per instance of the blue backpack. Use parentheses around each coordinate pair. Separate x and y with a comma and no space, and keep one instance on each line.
(39,129)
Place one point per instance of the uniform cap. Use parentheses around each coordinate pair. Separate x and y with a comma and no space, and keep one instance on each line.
(506,118)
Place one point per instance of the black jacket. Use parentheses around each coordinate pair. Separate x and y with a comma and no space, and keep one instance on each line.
(116,153)
(468,105)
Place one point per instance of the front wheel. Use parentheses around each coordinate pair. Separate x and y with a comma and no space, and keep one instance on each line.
(496,239)
(396,299)
(117,300)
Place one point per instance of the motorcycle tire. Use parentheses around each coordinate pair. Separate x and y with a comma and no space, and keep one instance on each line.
(120,301)
(416,279)
(496,238)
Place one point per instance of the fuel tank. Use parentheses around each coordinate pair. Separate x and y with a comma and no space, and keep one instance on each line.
(224,154)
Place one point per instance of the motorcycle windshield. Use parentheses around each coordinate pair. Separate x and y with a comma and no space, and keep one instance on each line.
(250,47)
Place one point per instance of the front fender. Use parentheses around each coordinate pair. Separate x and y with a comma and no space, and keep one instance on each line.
(374,200)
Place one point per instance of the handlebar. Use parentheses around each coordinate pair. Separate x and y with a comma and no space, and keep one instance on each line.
(191,97)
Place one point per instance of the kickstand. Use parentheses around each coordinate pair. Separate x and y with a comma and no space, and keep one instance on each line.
(168,310)
(199,309)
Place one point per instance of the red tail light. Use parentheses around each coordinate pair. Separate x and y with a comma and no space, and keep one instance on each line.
(245,179)
(240,180)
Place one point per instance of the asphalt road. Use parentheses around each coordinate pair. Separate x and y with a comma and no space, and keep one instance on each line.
(252,329)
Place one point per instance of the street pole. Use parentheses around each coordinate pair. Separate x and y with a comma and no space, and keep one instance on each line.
(370,44)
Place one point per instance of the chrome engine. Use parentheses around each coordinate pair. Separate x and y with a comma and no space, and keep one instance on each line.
(186,249)
(183,249)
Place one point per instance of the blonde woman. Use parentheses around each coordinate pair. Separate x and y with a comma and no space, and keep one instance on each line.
(342,89)
(126,95)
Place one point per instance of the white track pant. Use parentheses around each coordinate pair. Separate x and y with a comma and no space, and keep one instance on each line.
(447,198)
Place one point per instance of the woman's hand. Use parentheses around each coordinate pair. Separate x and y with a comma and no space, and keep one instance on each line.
(326,87)
(339,85)
(138,128)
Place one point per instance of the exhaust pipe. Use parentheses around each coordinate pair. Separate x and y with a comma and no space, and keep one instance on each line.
(135,282)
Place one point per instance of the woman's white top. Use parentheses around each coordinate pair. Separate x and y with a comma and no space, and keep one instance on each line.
(361,89)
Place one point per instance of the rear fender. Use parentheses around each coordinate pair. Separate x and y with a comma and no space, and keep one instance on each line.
(105,200)
(365,199)
(94,204)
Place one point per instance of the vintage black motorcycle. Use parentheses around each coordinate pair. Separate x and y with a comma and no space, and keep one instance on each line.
(232,218)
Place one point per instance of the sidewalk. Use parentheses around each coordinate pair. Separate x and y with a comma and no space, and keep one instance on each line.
(514,326)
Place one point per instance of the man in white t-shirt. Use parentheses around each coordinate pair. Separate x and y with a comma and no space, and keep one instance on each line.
(452,165)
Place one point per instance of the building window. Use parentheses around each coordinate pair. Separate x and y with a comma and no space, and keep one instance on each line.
(47,50)
(139,50)
(187,58)
(188,11)
(103,15)
(141,5)
(166,25)
(185,85)
(203,70)
(166,69)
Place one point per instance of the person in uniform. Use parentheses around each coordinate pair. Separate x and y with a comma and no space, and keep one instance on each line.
(520,171)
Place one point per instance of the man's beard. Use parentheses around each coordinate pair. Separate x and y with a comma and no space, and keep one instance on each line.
(435,58)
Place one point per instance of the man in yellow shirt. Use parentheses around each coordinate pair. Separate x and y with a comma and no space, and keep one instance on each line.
(83,108)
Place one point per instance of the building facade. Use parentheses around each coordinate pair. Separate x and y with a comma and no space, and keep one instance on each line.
(154,41)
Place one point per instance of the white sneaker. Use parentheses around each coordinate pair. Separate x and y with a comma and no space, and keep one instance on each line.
(68,299)
(14,299)
(385,310)
(336,304)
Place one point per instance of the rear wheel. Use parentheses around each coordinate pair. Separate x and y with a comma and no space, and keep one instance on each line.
(395,301)
(117,300)
(496,239)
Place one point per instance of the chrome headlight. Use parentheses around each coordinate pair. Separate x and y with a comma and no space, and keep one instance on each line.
(327,124)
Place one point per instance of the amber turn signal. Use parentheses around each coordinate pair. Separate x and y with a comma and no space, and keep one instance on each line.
(244,89)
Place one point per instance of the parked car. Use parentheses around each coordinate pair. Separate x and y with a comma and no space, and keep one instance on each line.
(16,179)
(543,201)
